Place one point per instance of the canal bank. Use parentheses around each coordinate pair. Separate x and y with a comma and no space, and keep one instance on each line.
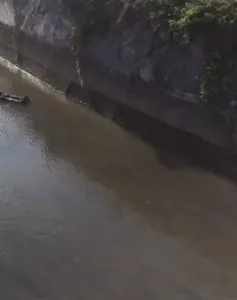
(107,85)
(166,139)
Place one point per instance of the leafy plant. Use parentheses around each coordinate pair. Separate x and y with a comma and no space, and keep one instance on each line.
(182,21)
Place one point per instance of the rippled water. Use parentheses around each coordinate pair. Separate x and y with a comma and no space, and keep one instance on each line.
(87,211)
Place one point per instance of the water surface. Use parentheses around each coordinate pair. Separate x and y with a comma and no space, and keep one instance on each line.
(88,211)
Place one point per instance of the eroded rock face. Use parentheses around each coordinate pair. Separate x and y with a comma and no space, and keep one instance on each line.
(7,13)
(45,20)
(127,52)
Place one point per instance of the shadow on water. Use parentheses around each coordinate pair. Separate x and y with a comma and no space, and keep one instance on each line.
(175,148)
(178,148)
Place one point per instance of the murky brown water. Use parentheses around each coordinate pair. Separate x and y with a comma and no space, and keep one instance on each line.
(87,211)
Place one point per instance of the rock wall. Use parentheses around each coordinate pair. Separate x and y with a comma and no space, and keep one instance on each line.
(7,13)
(128,67)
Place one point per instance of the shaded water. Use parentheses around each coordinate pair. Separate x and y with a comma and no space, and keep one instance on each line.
(87,211)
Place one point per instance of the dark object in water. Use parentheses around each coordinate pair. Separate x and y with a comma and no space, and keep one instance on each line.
(14,98)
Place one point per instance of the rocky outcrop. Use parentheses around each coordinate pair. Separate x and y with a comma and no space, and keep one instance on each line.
(130,66)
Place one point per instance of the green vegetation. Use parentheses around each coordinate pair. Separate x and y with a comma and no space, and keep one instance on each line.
(214,22)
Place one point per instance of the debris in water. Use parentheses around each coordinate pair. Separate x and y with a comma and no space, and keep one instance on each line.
(14,98)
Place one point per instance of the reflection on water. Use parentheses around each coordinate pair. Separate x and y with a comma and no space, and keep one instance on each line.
(87,211)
